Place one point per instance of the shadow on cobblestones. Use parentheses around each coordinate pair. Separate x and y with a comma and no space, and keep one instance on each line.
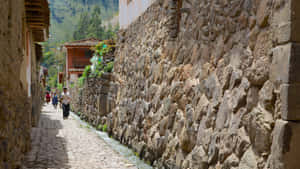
(48,145)
(65,144)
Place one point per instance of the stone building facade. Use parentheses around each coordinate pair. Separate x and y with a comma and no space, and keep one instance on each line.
(19,75)
(210,84)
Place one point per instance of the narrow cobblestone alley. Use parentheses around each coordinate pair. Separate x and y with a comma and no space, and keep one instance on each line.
(62,144)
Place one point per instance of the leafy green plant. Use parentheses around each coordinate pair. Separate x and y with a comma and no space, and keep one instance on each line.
(98,68)
(100,50)
(103,48)
(60,87)
(100,74)
(85,74)
(148,162)
(81,81)
(99,127)
(87,71)
(109,67)
(104,128)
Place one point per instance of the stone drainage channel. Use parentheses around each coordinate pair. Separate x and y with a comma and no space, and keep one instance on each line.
(115,145)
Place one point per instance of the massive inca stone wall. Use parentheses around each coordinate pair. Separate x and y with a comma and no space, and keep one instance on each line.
(15,107)
(200,84)
(95,100)
(205,84)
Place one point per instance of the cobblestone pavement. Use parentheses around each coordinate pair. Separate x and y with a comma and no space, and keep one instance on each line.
(65,144)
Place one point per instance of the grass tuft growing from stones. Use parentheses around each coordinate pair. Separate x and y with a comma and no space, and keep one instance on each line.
(104,128)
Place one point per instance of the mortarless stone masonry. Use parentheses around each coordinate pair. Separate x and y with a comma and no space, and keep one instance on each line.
(219,92)
(95,100)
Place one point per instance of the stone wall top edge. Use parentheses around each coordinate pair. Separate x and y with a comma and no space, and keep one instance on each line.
(134,21)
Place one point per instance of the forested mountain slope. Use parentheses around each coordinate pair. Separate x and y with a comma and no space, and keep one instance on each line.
(65,15)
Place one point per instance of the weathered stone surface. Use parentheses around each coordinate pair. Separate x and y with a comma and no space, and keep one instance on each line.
(267,96)
(282,20)
(284,151)
(287,20)
(263,13)
(286,63)
(187,139)
(231,161)
(198,158)
(252,98)
(258,73)
(225,109)
(248,160)
(211,92)
(18,111)
(95,100)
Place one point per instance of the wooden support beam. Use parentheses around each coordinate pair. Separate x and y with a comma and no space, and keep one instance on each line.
(35,20)
(37,27)
(38,9)
(33,3)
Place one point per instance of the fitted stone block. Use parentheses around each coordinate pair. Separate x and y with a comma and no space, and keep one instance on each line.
(290,97)
(287,21)
(285,148)
(280,63)
(282,21)
(283,32)
(286,64)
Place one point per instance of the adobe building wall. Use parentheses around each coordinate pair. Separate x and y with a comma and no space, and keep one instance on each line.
(211,84)
(37,90)
(15,98)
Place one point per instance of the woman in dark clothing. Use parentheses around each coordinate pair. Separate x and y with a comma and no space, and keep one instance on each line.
(55,100)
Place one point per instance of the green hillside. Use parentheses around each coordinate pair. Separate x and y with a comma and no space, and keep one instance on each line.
(65,15)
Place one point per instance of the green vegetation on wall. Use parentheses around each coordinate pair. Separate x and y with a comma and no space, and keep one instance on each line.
(98,67)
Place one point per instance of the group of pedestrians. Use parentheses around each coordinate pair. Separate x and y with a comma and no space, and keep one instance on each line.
(64,99)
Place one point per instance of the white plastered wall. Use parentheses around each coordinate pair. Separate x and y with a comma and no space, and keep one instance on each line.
(129,12)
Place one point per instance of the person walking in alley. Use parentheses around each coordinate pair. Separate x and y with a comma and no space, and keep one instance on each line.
(48,97)
(54,100)
(66,98)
